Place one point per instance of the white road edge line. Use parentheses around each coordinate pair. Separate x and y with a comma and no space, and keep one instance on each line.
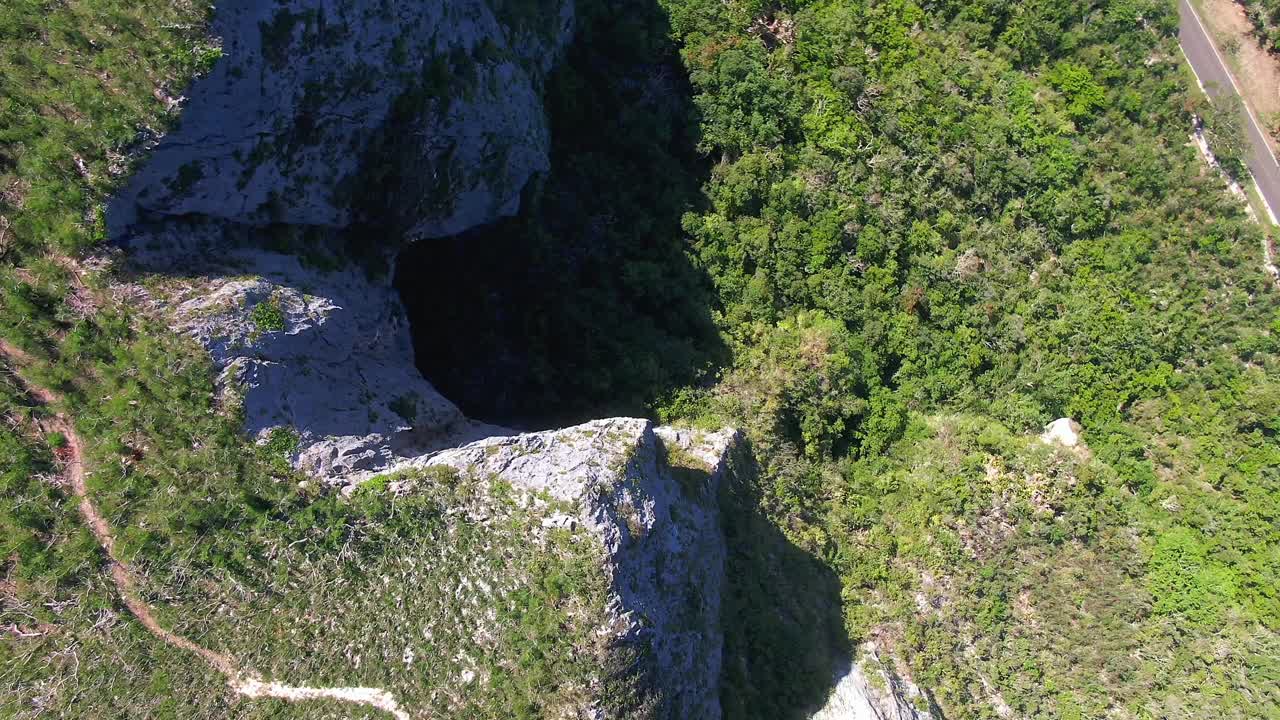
(1195,74)
(1270,213)
(1226,69)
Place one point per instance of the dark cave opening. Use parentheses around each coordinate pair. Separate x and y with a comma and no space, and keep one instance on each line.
(535,329)
(586,303)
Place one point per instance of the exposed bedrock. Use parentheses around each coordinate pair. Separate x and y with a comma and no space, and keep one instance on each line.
(331,131)
(322,109)
(650,495)
(329,135)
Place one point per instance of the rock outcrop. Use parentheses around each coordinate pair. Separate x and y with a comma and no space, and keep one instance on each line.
(650,496)
(419,119)
(1064,432)
(321,354)
(433,107)
(871,691)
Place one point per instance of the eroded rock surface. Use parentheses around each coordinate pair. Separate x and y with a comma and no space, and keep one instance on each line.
(650,495)
(418,119)
(323,355)
(870,691)
(315,104)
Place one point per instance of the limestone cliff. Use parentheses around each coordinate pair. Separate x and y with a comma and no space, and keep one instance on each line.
(317,103)
(650,496)
(420,119)
(321,354)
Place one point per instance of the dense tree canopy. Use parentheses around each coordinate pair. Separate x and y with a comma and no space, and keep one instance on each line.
(935,227)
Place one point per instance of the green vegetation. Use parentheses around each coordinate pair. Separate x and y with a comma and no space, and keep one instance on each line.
(29,503)
(82,85)
(935,227)
(922,230)
(406,406)
(213,524)
(405,605)
(1265,16)
(998,565)
(267,316)
(181,486)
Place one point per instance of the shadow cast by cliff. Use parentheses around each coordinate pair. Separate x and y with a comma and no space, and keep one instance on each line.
(785,642)
(585,304)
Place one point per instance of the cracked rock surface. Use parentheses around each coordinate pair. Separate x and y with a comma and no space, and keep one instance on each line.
(311,97)
(650,495)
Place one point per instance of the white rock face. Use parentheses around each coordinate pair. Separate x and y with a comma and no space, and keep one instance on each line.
(660,527)
(1063,431)
(338,370)
(857,697)
(431,110)
(282,129)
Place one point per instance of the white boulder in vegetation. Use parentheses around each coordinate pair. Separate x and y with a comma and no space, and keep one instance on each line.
(1063,431)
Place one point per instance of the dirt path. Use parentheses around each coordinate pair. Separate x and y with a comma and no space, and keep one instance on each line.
(1269,258)
(243,682)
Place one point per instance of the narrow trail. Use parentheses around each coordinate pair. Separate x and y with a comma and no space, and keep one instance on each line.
(1269,258)
(1268,254)
(246,683)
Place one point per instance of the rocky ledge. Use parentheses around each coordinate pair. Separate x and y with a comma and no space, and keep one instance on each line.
(650,496)
(324,119)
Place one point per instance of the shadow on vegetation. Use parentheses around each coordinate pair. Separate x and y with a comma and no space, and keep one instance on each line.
(785,643)
(585,304)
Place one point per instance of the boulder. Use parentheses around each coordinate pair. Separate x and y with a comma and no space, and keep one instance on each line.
(1063,431)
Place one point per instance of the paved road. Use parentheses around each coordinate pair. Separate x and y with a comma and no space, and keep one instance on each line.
(1212,72)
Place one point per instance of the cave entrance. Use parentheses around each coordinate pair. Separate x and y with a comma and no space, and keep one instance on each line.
(479,333)
(584,305)
(534,331)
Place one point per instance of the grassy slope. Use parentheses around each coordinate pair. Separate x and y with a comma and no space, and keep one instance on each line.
(83,83)
(76,87)
(202,512)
